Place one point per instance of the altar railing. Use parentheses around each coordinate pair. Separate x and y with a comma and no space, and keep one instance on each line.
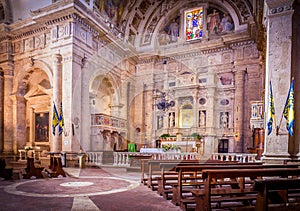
(240,157)
(123,158)
(94,158)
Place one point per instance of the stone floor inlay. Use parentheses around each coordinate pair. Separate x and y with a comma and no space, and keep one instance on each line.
(70,187)
(76,184)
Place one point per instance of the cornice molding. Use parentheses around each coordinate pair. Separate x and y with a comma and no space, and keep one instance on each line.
(241,44)
(30,32)
(156,58)
(59,19)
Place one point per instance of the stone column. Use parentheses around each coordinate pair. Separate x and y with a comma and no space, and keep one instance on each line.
(211,141)
(31,124)
(238,116)
(8,112)
(57,98)
(295,68)
(278,71)
(196,111)
(19,122)
(1,109)
(85,140)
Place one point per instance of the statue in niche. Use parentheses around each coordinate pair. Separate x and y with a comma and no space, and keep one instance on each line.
(202,118)
(160,122)
(173,30)
(224,119)
(171,119)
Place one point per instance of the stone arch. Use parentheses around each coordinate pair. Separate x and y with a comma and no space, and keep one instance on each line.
(108,87)
(33,93)
(232,9)
(37,64)
(5,12)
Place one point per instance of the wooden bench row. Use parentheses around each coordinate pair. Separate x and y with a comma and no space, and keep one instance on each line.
(209,194)
(205,185)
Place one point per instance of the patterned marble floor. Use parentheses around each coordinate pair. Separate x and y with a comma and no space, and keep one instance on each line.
(90,189)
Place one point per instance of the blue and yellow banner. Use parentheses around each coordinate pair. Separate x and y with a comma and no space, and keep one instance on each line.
(61,120)
(289,109)
(271,111)
(55,119)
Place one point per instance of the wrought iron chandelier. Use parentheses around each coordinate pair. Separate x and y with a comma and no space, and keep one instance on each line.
(164,104)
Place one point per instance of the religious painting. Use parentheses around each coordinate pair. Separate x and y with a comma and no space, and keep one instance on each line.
(186,118)
(193,20)
(112,8)
(218,22)
(42,127)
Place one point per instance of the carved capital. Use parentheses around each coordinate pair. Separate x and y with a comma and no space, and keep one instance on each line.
(57,58)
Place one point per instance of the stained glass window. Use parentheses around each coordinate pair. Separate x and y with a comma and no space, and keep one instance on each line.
(193,20)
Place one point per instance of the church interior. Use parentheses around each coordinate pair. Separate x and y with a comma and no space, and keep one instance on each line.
(108,81)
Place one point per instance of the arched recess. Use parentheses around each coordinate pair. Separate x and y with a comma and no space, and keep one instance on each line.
(32,106)
(240,13)
(105,93)
(106,129)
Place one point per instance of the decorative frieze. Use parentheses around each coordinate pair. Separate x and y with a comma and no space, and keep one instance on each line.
(29,44)
(280,9)
(64,30)
(39,41)
(277,7)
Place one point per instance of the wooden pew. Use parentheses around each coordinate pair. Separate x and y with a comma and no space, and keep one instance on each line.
(169,176)
(31,170)
(266,189)
(5,173)
(182,191)
(154,170)
(56,169)
(204,197)
(145,167)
